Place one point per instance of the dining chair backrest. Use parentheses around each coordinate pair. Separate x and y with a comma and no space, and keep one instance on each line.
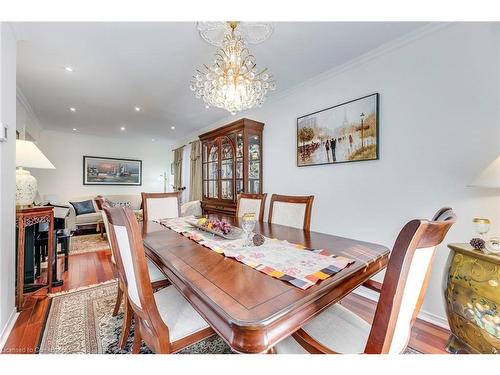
(161,206)
(131,261)
(102,203)
(251,203)
(405,282)
(292,211)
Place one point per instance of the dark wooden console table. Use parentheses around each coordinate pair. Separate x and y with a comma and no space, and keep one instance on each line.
(26,218)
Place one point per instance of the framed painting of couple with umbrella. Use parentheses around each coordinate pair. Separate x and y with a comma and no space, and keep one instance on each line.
(342,133)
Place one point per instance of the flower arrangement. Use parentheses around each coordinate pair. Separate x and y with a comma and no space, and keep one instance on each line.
(215,225)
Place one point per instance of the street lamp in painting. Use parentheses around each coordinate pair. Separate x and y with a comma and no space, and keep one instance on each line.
(362,115)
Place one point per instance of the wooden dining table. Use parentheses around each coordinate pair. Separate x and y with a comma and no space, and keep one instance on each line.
(250,310)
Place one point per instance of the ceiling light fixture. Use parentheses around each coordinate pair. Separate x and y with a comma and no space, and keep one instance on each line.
(232,81)
(122,128)
(72,109)
(172,127)
(68,69)
(74,129)
(152,139)
(137,109)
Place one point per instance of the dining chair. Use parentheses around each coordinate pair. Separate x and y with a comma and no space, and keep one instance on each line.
(164,319)
(157,206)
(251,203)
(290,210)
(158,280)
(338,330)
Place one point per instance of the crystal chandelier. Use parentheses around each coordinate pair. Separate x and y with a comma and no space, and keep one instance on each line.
(232,82)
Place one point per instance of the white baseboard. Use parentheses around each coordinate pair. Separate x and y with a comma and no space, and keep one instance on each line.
(423,315)
(434,319)
(8,328)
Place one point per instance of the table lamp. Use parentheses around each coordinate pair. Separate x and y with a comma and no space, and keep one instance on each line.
(28,156)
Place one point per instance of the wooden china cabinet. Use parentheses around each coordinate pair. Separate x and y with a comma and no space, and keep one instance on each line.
(232,164)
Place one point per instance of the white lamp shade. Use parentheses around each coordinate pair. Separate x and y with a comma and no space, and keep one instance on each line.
(490,177)
(30,156)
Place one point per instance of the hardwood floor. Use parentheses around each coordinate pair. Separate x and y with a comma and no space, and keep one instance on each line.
(93,268)
(83,269)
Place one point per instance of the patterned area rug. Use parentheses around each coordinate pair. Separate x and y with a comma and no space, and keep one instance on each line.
(88,243)
(409,350)
(80,322)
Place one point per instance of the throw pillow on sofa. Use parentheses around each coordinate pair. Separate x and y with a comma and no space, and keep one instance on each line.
(85,207)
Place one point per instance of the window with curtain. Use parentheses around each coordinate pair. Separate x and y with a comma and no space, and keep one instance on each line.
(185,174)
(195,182)
(178,168)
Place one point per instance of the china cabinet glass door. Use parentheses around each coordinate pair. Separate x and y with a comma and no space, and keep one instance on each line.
(227,168)
(254,164)
(239,164)
(212,181)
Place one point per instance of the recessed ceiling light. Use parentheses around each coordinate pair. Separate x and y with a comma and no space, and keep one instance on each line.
(74,129)
(122,128)
(172,127)
(137,109)
(68,69)
(152,139)
(72,109)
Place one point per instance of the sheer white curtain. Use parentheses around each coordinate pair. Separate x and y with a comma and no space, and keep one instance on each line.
(186,165)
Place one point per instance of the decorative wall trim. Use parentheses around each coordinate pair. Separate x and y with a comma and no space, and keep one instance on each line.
(423,315)
(36,127)
(24,101)
(8,328)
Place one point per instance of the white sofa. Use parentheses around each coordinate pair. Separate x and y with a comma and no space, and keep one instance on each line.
(192,208)
(75,221)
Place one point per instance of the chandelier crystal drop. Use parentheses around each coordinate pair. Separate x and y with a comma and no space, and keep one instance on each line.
(233,81)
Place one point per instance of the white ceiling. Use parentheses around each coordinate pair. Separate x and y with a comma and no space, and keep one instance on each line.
(118,66)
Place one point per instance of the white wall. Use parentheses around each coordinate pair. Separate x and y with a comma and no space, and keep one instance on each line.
(439,126)
(7,178)
(66,150)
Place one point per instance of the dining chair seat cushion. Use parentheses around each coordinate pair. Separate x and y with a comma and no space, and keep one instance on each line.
(179,316)
(154,272)
(336,328)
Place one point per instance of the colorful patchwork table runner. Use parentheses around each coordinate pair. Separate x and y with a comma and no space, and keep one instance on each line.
(296,264)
